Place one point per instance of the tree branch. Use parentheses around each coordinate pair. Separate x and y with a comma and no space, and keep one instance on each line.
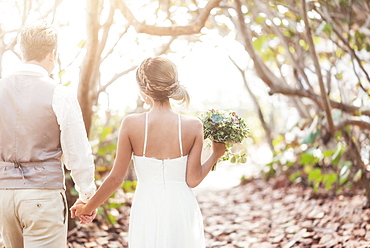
(115,44)
(350,109)
(267,10)
(115,77)
(326,17)
(118,75)
(262,70)
(353,122)
(174,30)
(325,99)
(106,27)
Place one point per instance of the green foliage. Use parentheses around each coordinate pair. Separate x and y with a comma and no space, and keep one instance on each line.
(234,157)
(103,138)
(110,207)
(307,158)
(129,186)
(107,210)
(260,43)
(313,164)
(324,27)
(361,41)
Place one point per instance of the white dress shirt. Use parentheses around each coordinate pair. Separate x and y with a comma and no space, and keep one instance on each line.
(77,154)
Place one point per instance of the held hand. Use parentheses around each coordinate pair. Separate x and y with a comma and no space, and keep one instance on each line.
(218,148)
(78,210)
(73,209)
(85,219)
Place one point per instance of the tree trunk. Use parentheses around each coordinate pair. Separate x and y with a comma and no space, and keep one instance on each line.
(87,85)
(88,78)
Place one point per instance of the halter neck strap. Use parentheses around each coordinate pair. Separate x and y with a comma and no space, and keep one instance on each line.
(146,133)
(180,138)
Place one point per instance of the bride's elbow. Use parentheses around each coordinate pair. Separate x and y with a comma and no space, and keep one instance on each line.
(193,178)
(192,183)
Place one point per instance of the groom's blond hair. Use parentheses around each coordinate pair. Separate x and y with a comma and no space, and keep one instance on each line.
(37,40)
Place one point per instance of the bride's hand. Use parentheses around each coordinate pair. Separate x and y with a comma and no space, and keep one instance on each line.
(84,219)
(218,148)
(78,210)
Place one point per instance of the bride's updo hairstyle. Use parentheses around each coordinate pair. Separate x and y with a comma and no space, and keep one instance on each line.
(157,78)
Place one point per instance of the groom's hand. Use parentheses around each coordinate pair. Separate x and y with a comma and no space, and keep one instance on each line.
(73,208)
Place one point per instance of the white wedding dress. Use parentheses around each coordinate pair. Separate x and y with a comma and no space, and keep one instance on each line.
(164,212)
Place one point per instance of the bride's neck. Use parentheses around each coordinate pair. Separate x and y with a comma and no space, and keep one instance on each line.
(165,105)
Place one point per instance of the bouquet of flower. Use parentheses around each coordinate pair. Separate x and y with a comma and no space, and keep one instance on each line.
(225,127)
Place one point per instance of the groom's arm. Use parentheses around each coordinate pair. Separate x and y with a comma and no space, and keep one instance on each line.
(77,153)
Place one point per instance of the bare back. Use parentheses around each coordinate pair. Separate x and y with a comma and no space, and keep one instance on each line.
(163,134)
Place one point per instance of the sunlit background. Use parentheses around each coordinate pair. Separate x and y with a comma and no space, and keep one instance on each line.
(203,61)
(204,67)
(297,71)
(210,64)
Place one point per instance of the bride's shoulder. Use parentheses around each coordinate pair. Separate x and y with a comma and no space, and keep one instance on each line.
(191,121)
(133,119)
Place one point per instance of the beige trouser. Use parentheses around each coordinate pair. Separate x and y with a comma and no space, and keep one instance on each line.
(33,218)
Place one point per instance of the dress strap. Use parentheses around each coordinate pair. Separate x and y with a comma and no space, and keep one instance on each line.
(146,133)
(180,138)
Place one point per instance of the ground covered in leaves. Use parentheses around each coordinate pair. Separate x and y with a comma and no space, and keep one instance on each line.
(259,214)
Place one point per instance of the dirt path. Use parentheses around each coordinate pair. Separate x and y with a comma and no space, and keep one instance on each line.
(260,215)
(257,215)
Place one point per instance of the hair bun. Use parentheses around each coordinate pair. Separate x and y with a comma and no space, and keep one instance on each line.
(157,78)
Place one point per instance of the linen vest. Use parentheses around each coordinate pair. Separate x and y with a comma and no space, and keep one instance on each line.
(30,149)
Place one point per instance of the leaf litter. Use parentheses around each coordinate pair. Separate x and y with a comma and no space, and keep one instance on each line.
(257,214)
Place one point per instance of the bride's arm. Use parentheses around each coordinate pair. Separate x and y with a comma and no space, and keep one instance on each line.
(116,175)
(196,171)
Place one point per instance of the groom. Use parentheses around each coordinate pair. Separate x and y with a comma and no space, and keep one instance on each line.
(41,128)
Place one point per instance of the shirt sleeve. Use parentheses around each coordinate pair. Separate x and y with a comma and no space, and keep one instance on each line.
(77,154)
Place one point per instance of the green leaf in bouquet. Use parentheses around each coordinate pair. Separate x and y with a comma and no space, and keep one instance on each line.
(228,145)
(233,160)
(225,157)
(242,153)
(242,160)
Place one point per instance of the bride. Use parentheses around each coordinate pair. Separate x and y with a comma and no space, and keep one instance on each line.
(166,149)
